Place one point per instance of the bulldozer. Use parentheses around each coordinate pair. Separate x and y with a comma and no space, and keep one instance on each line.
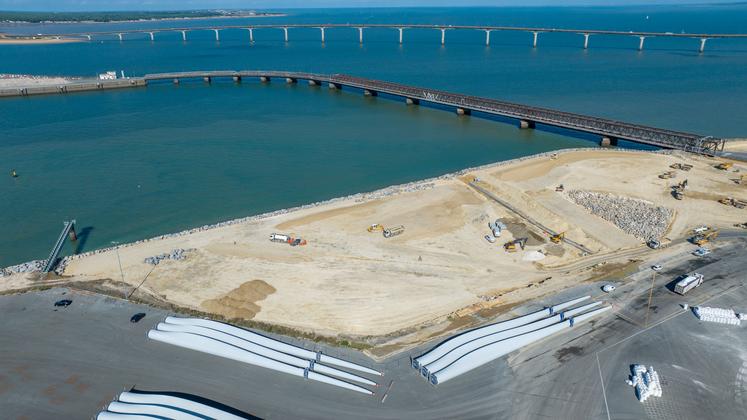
(724,166)
(557,238)
(511,245)
(705,237)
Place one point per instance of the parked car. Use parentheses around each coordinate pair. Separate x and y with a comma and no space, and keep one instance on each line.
(657,267)
(700,229)
(137,317)
(490,239)
(63,303)
(701,252)
(653,244)
(608,288)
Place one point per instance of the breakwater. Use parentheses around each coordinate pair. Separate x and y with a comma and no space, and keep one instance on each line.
(73,87)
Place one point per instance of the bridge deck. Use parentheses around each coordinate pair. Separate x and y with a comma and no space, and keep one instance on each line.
(58,247)
(599,126)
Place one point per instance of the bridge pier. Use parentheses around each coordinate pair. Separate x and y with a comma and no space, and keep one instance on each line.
(534,41)
(184,36)
(285,34)
(152,36)
(176,81)
(608,141)
(264,79)
(291,80)
(207,79)
(237,79)
(251,34)
(400,34)
(89,37)
(487,37)
(640,45)
(526,124)
(72,235)
(412,101)
(322,29)
(369,92)
(702,44)
(120,36)
(443,36)
(217,34)
(586,41)
(334,86)
(314,83)
(463,111)
(360,35)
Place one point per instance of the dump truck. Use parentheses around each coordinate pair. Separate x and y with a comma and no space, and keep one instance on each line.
(390,232)
(705,237)
(511,245)
(557,237)
(688,283)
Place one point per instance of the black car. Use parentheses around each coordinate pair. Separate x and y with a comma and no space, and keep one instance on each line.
(63,302)
(137,317)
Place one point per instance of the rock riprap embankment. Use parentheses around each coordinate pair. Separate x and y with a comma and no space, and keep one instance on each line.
(27,267)
(639,218)
(176,255)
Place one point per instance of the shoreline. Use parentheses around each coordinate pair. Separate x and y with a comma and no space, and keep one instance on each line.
(90,22)
(360,197)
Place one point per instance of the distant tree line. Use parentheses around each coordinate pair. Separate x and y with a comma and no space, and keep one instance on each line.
(37,17)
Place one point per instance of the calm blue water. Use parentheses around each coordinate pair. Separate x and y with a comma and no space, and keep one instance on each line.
(137,163)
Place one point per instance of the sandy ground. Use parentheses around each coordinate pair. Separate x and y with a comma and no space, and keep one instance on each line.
(37,41)
(350,282)
(736,145)
(18,81)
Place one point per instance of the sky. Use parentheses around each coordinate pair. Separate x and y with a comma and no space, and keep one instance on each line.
(105,5)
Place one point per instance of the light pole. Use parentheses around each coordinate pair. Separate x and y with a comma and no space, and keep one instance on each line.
(119,261)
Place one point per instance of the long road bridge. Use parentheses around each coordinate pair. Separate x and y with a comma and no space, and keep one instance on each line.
(534,31)
(609,131)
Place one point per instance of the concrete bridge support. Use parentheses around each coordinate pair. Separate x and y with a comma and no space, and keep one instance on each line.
(463,111)
(207,79)
(487,38)
(89,37)
(586,41)
(608,141)
(184,36)
(237,79)
(526,124)
(534,40)
(322,29)
(291,80)
(443,36)
(152,36)
(360,35)
(264,79)
(217,34)
(285,34)
(120,36)
(369,92)
(251,34)
(702,44)
(314,83)
(640,44)
(401,30)
(412,101)
(176,81)
(334,86)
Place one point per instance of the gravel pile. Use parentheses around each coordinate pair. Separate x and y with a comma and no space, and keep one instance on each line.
(27,267)
(177,255)
(639,218)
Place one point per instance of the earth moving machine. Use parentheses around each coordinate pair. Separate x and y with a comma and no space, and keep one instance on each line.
(690,282)
(290,240)
(668,175)
(375,227)
(740,204)
(681,166)
(678,191)
(560,188)
(705,237)
(724,166)
(390,232)
(511,246)
(557,238)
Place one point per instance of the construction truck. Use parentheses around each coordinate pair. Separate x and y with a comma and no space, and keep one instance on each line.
(390,232)
(688,283)
(557,238)
(511,245)
(705,237)
(375,227)
(724,166)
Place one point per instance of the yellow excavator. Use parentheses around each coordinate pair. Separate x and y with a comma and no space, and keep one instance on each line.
(704,238)
(557,238)
(511,245)
(724,166)
(376,227)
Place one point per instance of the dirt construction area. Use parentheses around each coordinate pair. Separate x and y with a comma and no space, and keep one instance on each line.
(441,273)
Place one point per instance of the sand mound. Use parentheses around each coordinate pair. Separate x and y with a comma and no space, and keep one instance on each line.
(240,302)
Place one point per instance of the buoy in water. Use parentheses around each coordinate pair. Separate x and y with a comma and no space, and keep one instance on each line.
(13,173)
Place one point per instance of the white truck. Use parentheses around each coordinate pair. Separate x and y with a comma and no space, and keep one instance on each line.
(277,237)
(690,282)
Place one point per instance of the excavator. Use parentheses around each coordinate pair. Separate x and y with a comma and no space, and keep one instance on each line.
(704,238)
(557,238)
(724,166)
(387,232)
(375,227)
(511,246)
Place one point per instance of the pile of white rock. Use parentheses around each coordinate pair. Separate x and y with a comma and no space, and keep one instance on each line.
(639,218)
(645,381)
(27,267)
(718,315)
(176,255)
